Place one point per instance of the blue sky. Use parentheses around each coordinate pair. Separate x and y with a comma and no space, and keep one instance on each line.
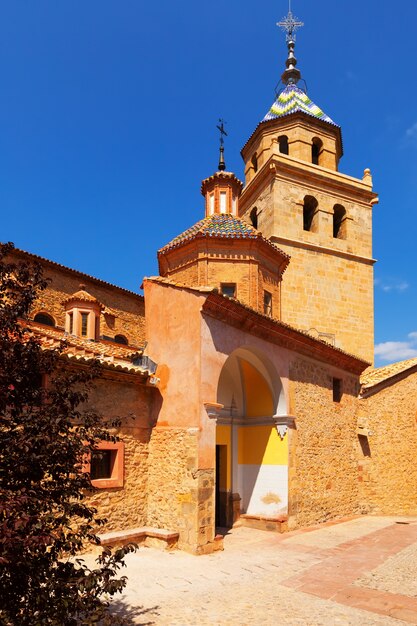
(108,115)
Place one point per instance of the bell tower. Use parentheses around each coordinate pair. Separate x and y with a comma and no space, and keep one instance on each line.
(296,196)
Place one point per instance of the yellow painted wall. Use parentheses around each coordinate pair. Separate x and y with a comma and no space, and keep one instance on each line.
(259,400)
(224,438)
(261,445)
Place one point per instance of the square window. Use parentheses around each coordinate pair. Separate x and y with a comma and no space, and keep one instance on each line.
(337,389)
(106,465)
(228,289)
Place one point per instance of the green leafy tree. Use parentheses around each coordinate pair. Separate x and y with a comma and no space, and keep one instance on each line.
(45,519)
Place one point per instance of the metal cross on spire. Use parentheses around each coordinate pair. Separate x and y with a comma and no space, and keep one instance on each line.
(220,126)
(290,24)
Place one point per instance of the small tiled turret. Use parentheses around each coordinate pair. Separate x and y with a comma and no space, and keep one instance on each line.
(221,191)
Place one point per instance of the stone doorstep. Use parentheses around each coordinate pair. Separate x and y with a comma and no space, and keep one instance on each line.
(272,524)
(155,537)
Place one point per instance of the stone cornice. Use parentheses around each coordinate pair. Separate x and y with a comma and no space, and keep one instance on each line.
(324,249)
(310,176)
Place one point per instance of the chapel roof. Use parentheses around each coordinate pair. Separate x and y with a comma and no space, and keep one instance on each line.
(372,377)
(292,99)
(224,226)
(83,296)
(116,357)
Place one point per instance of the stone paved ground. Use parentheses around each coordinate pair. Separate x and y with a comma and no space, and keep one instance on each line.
(360,572)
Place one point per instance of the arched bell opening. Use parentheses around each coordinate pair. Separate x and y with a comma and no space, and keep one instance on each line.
(251,454)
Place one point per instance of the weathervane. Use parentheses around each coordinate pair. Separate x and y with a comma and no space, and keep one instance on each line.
(290,24)
(220,126)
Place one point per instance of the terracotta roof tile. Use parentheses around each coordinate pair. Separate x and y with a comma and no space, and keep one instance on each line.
(83,296)
(117,357)
(374,376)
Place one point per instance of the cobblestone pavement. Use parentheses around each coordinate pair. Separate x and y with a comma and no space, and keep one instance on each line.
(397,575)
(316,577)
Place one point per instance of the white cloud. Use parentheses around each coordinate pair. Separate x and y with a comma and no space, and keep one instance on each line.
(390,351)
(388,285)
(411,133)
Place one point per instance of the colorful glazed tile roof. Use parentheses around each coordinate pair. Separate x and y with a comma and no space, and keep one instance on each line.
(372,377)
(293,100)
(224,226)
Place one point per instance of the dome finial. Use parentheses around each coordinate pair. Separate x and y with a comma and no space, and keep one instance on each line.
(290,24)
(220,126)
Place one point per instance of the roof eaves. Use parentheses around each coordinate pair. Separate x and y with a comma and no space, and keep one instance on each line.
(100,281)
(334,355)
(271,122)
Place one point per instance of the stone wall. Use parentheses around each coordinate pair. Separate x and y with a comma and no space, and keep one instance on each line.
(328,285)
(387,457)
(323,482)
(125,311)
(174,483)
(125,507)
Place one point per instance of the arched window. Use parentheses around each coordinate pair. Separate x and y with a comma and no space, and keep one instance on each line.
(310,214)
(316,150)
(339,222)
(44,318)
(121,339)
(283,144)
(254,217)
(254,162)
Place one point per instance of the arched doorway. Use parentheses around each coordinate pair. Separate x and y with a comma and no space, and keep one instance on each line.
(251,457)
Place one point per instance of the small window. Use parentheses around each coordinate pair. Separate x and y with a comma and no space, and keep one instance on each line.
(339,222)
(121,339)
(44,318)
(223,198)
(71,323)
(254,217)
(337,389)
(101,464)
(283,144)
(84,324)
(268,303)
(310,214)
(106,465)
(316,151)
(229,289)
(211,201)
(255,162)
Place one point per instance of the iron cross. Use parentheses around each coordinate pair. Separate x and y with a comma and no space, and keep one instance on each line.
(222,131)
(290,24)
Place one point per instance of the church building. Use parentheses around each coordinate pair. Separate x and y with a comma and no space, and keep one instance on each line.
(248,363)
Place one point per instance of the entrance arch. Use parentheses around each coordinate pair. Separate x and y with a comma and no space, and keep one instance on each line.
(251,457)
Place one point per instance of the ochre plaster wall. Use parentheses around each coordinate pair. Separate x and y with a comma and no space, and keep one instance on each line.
(323,481)
(388,468)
